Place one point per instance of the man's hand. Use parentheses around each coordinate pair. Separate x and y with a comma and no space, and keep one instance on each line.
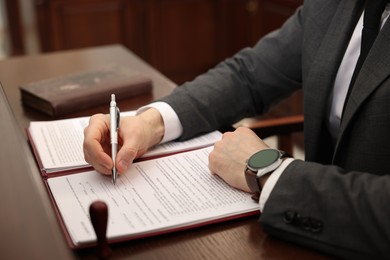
(228,159)
(136,135)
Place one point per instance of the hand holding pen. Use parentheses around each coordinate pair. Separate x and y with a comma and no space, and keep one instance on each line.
(114,126)
(137,135)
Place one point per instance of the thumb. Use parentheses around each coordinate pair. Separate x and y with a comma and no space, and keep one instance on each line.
(126,156)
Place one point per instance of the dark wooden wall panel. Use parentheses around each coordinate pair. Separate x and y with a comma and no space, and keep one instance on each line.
(181,38)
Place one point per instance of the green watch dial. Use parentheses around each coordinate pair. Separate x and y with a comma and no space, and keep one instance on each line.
(263,158)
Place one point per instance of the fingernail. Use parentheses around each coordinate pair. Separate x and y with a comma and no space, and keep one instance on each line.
(124,164)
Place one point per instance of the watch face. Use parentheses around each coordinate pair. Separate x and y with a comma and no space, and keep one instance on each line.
(263,158)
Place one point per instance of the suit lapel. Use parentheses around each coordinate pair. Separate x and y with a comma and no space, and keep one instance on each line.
(323,71)
(375,69)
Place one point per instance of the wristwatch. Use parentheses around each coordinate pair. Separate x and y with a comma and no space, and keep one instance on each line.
(259,164)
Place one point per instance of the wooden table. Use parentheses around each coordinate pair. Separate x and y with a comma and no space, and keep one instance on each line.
(21,184)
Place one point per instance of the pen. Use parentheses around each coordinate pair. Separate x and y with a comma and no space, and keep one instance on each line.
(114,126)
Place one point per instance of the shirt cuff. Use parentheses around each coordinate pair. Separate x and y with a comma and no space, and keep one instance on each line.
(172,125)
(271,181)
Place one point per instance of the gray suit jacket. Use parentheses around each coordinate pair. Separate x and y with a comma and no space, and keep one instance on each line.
(338,200)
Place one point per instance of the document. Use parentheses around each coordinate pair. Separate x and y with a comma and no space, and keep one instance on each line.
(58,144)
(153,197)
(170,188)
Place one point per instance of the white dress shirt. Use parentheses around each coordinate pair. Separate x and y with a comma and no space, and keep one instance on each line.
(173,127)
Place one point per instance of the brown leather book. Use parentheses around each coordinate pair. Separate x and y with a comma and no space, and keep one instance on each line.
(75,92)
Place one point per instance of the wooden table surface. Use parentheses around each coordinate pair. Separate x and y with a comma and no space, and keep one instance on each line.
(234,239)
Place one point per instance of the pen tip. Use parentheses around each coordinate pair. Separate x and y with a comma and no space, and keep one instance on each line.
(114,176)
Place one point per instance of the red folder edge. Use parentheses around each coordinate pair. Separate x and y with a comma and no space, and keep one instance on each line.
(40,164)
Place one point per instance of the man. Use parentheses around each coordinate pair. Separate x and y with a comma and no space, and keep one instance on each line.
(337,200)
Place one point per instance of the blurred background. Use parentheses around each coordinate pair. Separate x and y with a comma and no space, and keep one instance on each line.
(181,38)
(18,29)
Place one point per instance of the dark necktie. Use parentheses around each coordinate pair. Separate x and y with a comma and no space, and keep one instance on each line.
(373,10)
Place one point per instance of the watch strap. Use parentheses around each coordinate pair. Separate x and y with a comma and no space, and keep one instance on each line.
(253,183)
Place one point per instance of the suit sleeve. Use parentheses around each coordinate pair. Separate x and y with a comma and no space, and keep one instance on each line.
(324,207)
(247,84)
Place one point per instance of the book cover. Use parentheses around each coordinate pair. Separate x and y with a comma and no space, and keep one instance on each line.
(74,92)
